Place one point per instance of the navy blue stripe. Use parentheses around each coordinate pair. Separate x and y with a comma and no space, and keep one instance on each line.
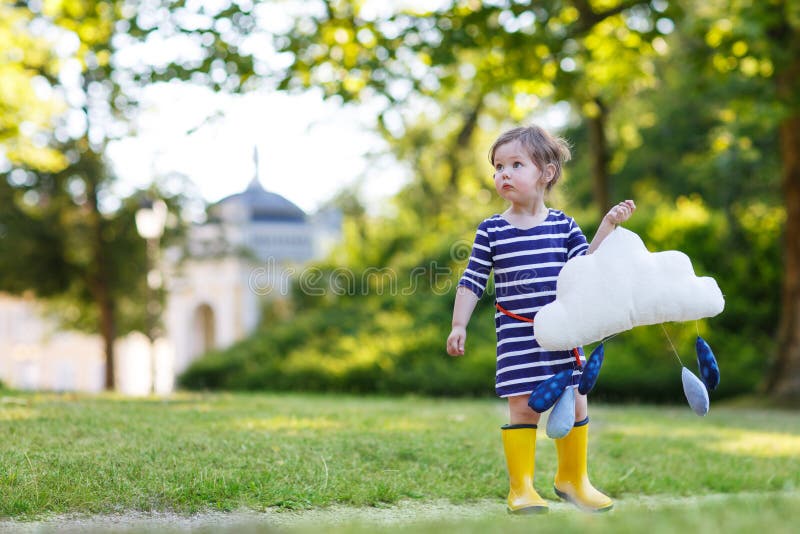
(584,422)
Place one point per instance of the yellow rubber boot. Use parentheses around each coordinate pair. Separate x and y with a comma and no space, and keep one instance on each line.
(519,443)
(572,479)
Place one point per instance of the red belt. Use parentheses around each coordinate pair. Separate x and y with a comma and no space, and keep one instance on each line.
(527,320)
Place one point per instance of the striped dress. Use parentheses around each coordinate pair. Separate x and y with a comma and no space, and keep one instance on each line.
(526,264)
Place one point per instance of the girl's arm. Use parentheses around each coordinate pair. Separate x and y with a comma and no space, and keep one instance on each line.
(470,288)
(462,311)
(616,215)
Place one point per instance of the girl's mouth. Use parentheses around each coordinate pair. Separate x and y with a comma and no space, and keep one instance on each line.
(507,186)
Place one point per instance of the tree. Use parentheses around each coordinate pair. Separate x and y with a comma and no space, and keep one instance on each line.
(755,46)
(59,213)
(443,75)
(465,57)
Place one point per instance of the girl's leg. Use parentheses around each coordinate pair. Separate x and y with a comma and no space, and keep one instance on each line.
(572,477)
(581,407)
(519,444)
(519,413)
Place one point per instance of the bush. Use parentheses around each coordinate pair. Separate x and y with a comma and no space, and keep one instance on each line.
(352,348)
(385,344)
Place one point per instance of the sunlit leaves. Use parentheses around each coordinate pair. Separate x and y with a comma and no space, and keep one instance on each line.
(27,106)
(519,55)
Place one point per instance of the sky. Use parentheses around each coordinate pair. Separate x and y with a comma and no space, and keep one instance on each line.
(307,148)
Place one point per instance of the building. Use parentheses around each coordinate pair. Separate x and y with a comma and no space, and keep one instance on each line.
(246,252)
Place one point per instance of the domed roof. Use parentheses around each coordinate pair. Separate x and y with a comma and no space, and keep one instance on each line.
(263,205)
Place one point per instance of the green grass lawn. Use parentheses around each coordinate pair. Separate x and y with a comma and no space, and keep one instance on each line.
(76,454)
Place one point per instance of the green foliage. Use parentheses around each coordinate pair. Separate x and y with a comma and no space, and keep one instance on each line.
(695,149)
(493,48)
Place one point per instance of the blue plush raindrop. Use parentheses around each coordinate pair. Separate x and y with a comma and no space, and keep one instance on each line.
(547,393)
(709,370)
(695,392)
(591,370)
(562,418)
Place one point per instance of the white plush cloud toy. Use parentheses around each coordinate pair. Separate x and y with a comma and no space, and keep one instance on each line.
(620,286)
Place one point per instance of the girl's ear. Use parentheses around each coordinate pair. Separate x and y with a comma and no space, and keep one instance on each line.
(549,172)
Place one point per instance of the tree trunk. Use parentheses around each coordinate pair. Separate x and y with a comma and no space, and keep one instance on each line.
(598,146)
(108,332)
(462,142)
(784,379)
(100,283)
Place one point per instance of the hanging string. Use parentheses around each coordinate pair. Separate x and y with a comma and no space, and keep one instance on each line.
(612,336)
(671,345)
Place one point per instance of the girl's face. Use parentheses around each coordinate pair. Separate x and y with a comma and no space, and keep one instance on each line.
(516,177)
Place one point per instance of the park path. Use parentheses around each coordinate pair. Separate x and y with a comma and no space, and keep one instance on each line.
(404,513)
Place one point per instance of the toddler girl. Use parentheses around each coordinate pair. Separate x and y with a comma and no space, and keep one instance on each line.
(526,246)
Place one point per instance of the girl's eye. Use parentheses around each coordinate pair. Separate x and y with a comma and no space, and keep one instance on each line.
(498,168)
(517,164)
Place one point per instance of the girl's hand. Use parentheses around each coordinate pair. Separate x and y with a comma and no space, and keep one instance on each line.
(455,341)
(620,213)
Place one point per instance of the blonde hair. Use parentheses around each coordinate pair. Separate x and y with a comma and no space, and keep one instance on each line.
(543,148)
